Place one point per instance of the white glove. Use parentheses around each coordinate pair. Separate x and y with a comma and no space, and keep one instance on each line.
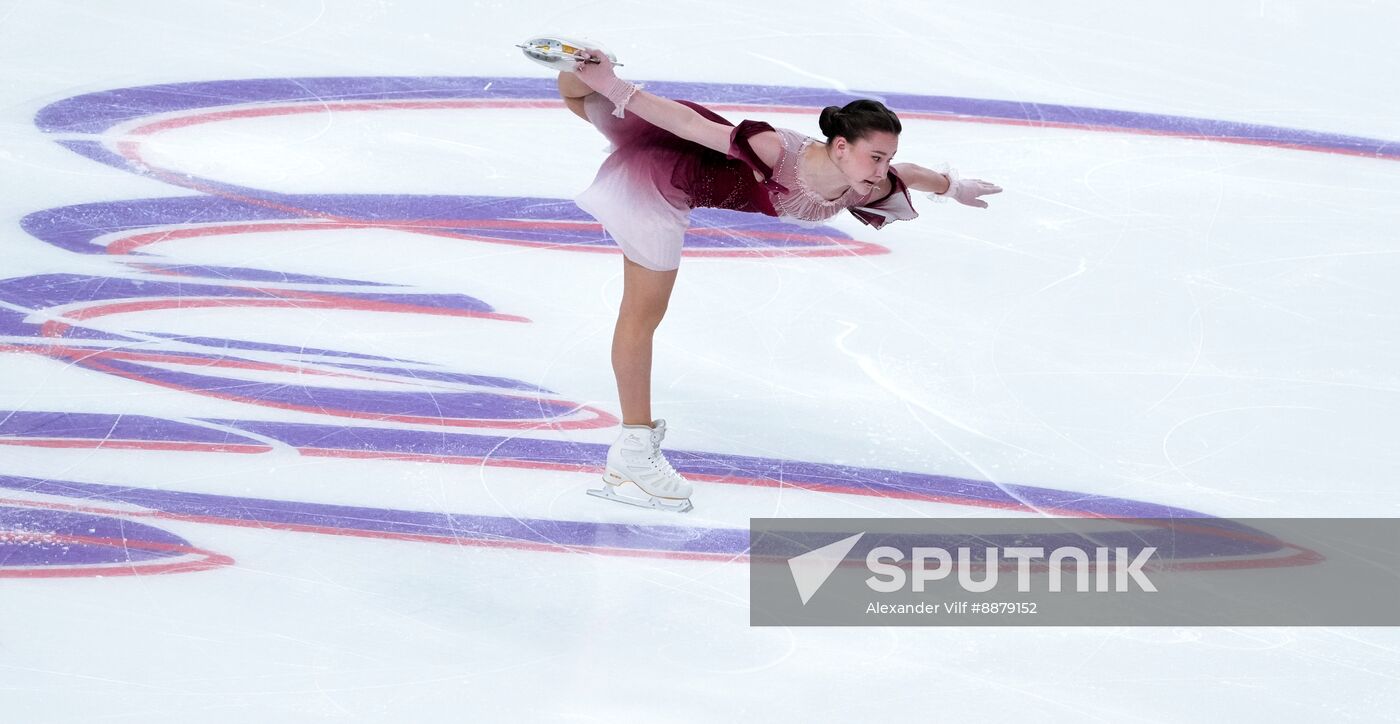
(965,191)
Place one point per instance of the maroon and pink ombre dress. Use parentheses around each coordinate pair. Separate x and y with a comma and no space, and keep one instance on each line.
(644,191)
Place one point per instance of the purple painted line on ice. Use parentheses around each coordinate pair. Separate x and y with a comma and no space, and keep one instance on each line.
(416,405)
(53,290)
(554,454)
(445,405)
(297,351)
(238,274)
(404,522)
(13,324)
(96,112)
(73,228)
(122,539)
(459,377)
(98,426)
(666,539)
(851,479)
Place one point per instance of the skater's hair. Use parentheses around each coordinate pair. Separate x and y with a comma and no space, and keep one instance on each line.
(857,120)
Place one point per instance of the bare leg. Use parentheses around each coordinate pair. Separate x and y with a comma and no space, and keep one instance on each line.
(645,294)
(573,91)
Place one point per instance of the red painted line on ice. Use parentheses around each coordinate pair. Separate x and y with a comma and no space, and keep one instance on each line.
(600,418)
(352,533)
(284,299)
(63,442)
(830,246)
(1303,556)
(207,559)
(131,150)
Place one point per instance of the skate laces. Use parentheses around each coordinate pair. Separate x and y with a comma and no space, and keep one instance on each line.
(666,469)
(658,459)
(671,477)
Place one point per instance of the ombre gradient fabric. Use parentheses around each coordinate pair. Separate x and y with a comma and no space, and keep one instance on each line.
(645,189)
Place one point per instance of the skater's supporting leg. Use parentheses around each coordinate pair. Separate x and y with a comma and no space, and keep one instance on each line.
(573,91)
(645,294)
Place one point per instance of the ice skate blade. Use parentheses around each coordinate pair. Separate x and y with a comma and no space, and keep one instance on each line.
(609,492)
(557,53)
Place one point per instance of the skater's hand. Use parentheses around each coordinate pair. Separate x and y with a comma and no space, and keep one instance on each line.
(598,76)
(967,192)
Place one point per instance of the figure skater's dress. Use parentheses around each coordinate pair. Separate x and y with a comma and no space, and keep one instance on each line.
(645,189)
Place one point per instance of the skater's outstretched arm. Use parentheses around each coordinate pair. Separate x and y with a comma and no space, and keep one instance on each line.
(939,185)
(917,178)
(936,183)
(686,123)
(668,114)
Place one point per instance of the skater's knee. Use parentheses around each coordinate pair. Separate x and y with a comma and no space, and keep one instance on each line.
(645,316)
(576,105)
(645,295)
(575,94)
(571,87)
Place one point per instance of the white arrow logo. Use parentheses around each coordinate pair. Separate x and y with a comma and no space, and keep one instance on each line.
(811,569)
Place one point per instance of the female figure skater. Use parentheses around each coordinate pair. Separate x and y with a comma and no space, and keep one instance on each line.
(671,156)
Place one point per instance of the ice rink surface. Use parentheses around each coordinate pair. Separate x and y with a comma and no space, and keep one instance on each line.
(306,369)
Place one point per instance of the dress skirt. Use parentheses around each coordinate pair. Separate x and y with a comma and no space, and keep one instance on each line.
(633,195)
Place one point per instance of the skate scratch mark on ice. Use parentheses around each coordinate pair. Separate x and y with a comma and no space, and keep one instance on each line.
(431,141)
(872,371)
(1010,248)
(1197,319)
(1083,265)
(319,14)
(1310,257)
(1204,375)
(1091,213)
(10,11)
(1262,301)
(1180,468)
(1187,178)
(1028,410)
(103,679)
(511,434)
(49,317)
(1342,633)
(896,315)
(834,83)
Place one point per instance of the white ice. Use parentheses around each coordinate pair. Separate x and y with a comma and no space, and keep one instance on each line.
(1185,322)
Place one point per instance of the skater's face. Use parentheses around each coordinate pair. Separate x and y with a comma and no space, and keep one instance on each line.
(866,162)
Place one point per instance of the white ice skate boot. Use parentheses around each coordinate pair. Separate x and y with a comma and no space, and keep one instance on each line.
(557,53)
(636,458)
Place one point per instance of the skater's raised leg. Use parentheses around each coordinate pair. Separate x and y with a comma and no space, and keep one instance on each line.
(573,91)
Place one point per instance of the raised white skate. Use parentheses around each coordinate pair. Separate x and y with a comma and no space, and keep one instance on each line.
(559,53)
(636,458)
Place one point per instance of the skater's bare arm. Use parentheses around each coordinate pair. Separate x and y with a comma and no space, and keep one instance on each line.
(672,116)
(916,177)
(941,186)
(686,123)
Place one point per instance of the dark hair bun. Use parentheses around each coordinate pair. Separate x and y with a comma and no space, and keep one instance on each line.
(830,122)
(858,119)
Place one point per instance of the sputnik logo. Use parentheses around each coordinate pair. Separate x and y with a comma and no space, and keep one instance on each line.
(811,569)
